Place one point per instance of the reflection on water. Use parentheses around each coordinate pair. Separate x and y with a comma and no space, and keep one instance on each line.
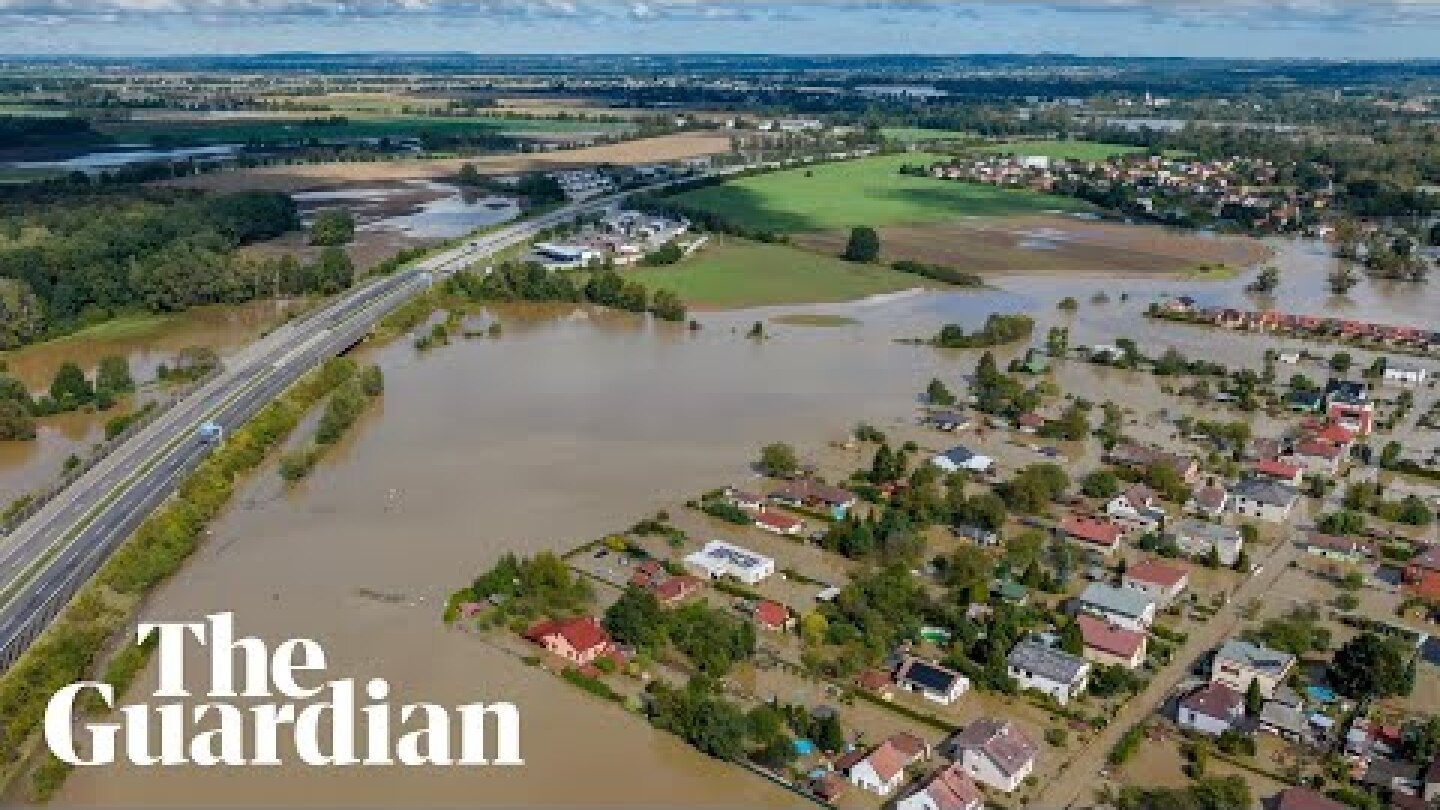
(419,209)
(116,157)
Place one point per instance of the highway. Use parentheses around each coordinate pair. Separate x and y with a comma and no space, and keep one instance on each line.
(46,560)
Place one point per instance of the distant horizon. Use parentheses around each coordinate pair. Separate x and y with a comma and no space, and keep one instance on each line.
(718,53)
(1378,30)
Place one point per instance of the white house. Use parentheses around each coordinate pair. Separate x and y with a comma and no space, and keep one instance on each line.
(1239,662)
(937,683)
(994,752)
(1198,538)
(1267,500)
(1212,709)
(882,771)
(1127,607)
(1046,669)
(962,458)
(1157,580)
(1406,375)
(717,560)
(1137,509)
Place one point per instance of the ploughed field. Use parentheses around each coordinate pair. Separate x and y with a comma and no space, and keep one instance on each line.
(332,175)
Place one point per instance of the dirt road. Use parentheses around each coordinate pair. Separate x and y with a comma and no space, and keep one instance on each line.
(1075,787)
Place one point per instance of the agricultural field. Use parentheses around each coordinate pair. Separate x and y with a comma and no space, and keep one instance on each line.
(332,175)
(863,192)
(1059,245)
(740,274)
(212,131)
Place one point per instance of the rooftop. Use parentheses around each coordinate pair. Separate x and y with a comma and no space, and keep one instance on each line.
(1000,740)
(1270,493)
(1106,637)
(1162,574)
(1214,700)
(1255,657)
(1049,663)
(1122,601)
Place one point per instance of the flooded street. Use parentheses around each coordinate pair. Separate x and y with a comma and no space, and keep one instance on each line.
(574,423)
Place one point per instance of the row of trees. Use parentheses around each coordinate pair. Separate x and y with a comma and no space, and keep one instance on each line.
(711,640)
(69,390)
(531,281)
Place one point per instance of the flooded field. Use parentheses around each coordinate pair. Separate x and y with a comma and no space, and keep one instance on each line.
(572,424)
(1054,245)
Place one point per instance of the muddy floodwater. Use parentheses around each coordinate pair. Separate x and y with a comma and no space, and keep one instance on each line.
(574,423)
(25,466)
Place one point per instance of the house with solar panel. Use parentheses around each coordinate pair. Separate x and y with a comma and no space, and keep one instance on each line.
(718,560)
(937,683)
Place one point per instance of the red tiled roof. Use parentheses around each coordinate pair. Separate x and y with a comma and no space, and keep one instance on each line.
(1318,449)
(952,789)
(873,680)
(676,588)
(582,633)
(1276,468)
(778,521)
(887,760)
(1214,700)
(1335,434)
(1299,798)
(1210,497)
(1034,420)
(908,744)
(1166,576)
(1093,530)
(1109,638)
(771,614)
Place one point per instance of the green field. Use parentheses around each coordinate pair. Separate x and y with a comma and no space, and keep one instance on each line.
(914,134)
(12,175)
(862,192)
(1065,150)
(264,131)
(741,274)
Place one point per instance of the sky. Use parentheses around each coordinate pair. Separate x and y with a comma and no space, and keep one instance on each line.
(1365,29)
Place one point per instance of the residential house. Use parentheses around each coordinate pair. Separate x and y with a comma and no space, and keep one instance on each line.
(1406,375)
(961,458)
(579,640)
(1094,533)
(1341,549)
(1359,417)
(1137,509)
(876,682)
(668,590)
(1316,457)
(719,559)
(1208,501)
(779,523)
(1160,581)
(1305,401)
(1197,538)
(1126,607)
(949,788)
(1274,469)
(949,421)
(976,534)
(1303,798)
(1212,709)
(1422,575)
(1284,716)
(1267,500)
(937,683)
(1109,644)
(811,494)
(882,770)
(772,616)
(1030,422)
(994,752)
(1238,662)
(749,501)
(1046,669)
(1138,457)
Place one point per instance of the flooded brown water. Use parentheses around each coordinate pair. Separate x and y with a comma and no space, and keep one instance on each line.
(574,423)
(25,466)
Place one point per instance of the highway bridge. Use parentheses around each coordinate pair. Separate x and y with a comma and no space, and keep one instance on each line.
(46,559)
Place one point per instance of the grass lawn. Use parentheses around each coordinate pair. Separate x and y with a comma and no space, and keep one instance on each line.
(863,192)
(122,327)
(1067,150)
(741,274)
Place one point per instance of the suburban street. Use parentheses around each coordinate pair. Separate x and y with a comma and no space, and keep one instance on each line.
(1072,788)
(45,560)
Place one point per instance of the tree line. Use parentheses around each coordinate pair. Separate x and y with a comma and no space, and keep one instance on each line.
(70,259)
(531,281)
